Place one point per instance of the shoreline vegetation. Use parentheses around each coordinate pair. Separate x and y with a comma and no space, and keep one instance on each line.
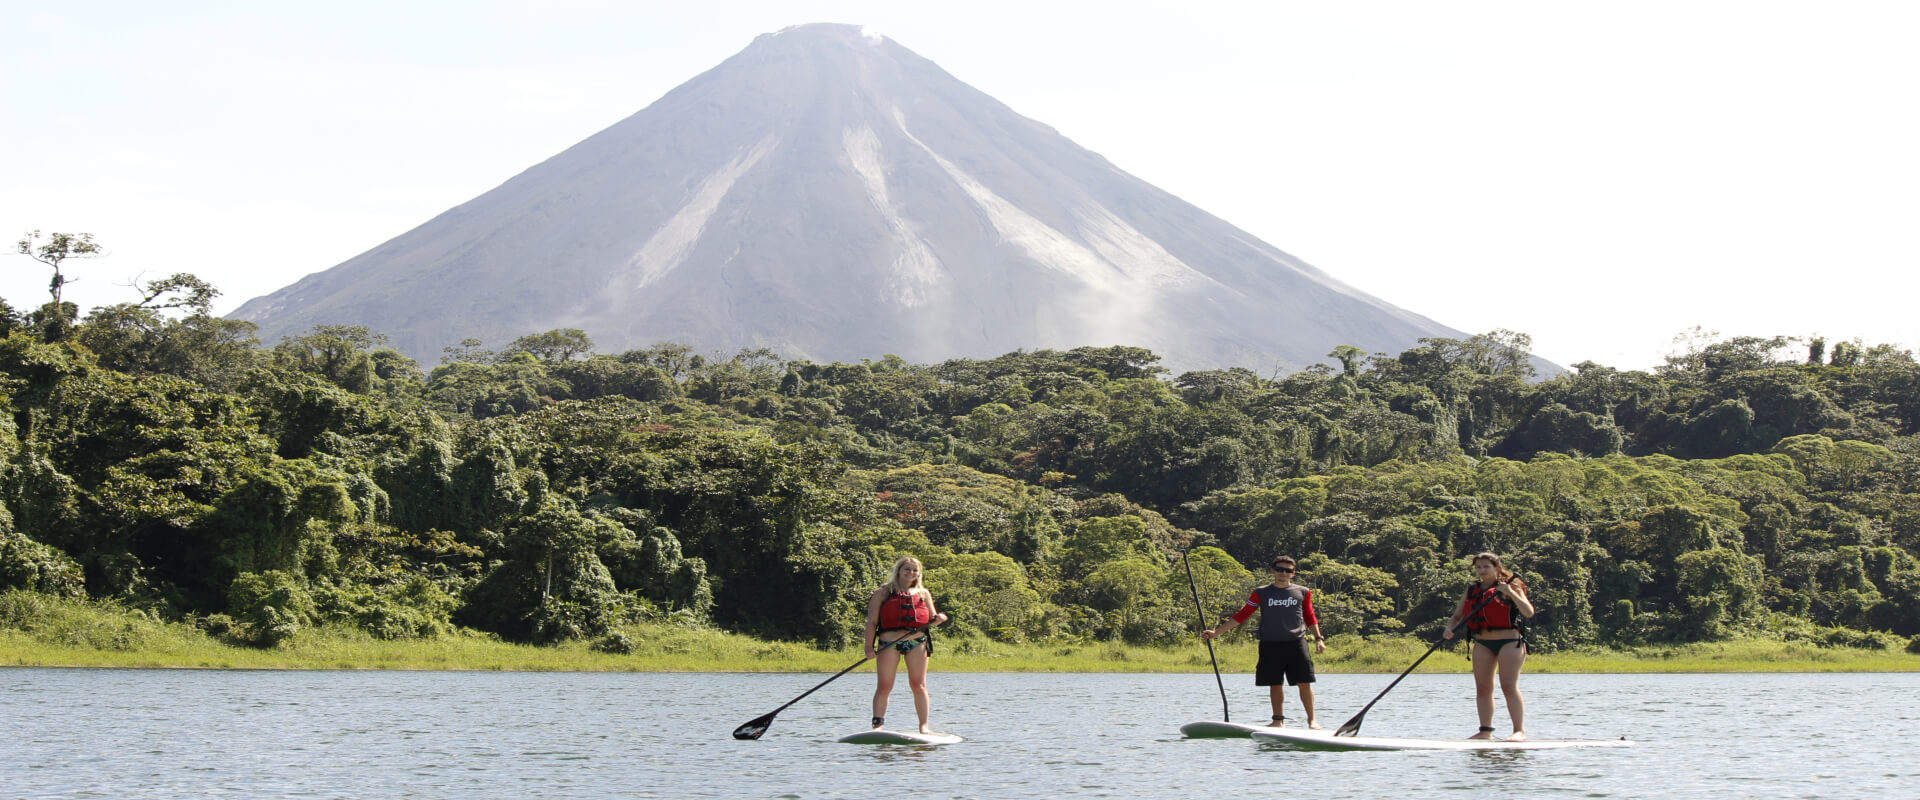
(80,634)
(331,502)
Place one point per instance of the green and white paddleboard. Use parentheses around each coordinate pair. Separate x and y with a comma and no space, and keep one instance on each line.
(899,737)
(1220,730)
(1325,740)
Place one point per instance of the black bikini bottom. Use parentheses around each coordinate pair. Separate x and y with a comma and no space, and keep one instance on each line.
(1496,645)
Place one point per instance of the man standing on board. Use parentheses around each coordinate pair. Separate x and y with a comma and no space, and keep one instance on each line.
(1286,618)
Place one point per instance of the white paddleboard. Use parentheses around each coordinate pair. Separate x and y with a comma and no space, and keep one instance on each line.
(1219,730)
(1325,740)
(899,737)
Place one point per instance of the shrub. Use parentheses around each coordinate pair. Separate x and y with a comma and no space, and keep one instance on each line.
(272,606)
(616,643)
(35,567)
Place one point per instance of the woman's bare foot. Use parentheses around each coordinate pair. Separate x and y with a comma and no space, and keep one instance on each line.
(1312,725)
(1517,736)
(1485,733)
(1278,722)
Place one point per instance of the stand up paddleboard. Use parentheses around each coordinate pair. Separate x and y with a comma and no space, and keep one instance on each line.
(899,737)
(1219,730)
(1325,740)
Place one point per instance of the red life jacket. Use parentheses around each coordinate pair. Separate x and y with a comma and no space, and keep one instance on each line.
(1497,613)
(904,612)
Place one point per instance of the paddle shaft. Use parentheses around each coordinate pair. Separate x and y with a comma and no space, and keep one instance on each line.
(1353,725)
(816,688)
(1201,614)
(747,731)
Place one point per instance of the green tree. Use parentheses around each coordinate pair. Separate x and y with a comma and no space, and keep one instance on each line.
(551,584)
(55,251)
(338,353)
(1350,598)
(988,593)
(560,344)
(271,606)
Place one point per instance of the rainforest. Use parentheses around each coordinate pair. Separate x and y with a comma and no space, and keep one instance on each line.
(159,460)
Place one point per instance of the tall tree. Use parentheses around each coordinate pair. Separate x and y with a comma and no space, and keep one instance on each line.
(55,251)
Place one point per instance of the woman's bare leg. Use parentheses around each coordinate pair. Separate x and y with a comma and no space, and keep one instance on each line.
(1483,664)
(917,681)
(1513,657)
(885,666)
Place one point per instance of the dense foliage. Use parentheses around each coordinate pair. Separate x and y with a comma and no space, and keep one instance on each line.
(157,455)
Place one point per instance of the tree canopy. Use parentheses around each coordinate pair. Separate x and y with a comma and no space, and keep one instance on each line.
(157,455)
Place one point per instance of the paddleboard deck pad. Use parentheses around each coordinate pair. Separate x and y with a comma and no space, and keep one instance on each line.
(1325,740)
(1219,730)
(899,737)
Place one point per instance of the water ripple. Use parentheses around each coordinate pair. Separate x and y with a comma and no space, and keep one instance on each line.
(264,734)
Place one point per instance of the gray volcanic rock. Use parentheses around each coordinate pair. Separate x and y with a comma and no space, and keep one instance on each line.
(833,196)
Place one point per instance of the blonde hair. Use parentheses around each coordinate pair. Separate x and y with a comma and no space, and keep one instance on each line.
(893,579)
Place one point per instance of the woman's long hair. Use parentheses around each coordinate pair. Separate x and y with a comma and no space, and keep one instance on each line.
(1500,571)
(893,581)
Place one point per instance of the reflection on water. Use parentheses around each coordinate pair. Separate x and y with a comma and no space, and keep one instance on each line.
(897,754)
(1498,763)
(181,733)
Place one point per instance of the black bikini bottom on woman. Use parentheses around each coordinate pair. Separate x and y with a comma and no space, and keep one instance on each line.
(1496,645)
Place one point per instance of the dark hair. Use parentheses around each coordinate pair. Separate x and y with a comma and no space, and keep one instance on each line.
(1283,561)
(1500,571)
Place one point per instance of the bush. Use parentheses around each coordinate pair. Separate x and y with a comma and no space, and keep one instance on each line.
(272,606)
(221,626)
(35,567)
(1844,637)
(78,623)
(616,643)
(415,608)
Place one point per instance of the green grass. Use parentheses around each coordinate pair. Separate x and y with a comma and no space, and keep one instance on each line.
(41,631)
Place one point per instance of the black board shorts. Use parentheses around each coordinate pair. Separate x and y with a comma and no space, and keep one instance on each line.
(1288,660)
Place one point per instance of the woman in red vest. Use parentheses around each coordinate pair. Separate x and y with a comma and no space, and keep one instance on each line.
(1493,610)
(900,618)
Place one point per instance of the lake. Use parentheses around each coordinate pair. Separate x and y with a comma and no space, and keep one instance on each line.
(270,734)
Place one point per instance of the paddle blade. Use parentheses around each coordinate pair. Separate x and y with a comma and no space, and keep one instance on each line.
(1352,728)
(753,730)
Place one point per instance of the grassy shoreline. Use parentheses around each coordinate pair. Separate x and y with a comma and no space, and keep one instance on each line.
(75,634)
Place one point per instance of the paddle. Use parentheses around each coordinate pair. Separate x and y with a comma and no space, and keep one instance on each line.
(1352,727)
(758,725)
(1202,615)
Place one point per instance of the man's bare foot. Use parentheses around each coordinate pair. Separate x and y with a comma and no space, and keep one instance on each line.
(1485,733)
(1517,736)
(1278,722)
(1312,725)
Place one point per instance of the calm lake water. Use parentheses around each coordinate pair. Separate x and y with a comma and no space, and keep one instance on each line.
(189,733)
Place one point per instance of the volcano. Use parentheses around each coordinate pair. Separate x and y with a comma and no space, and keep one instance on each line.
(830,195)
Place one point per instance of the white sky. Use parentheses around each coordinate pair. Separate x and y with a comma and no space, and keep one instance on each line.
(1601,176)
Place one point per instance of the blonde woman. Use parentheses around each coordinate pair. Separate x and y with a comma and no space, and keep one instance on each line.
(1493,610)
(900,617)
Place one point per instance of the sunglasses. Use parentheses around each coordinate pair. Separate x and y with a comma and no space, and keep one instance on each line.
(1282,569)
